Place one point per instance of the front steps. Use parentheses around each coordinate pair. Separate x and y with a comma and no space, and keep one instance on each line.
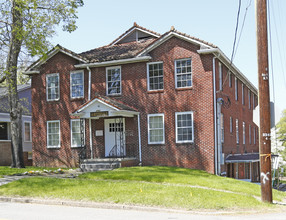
(92,165)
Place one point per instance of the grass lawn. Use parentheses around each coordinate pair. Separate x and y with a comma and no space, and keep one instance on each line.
(151,186)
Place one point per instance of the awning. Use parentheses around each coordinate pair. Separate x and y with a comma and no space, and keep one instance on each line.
(242,158)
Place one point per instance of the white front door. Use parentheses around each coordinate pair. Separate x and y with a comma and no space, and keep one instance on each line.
(114,131)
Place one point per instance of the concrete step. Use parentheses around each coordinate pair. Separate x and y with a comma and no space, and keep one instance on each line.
(97,166)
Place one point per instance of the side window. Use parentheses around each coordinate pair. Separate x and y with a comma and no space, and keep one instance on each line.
(113,81)
(53,87)
(75,133)
(156,129)
(155,76)
(220,77)
(235,89)
(53,134)
(184,127)
(237,132)
(183,73)
(77,84)
(27,132)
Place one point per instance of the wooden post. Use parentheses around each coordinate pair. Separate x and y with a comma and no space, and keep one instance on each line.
(264,101)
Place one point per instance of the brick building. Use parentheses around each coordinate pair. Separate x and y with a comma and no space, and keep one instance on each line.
(168,99)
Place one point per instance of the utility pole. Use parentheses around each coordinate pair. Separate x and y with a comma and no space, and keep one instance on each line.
(264,101)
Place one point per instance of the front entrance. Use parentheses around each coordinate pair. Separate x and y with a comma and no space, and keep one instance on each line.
(114,130)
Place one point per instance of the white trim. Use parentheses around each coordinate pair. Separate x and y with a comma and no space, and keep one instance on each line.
(71,133)
(115,62)
(163,120)
(148,76)
(75,72)
(56,146)
(176,127)
(31,72)
(106,82)
(139,139)
(175,72)
(90,138)
(51,75)
(30,127)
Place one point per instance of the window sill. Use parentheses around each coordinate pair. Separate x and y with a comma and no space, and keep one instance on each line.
(53,147)
(155,91)
(76,99)
(75,147)
(184,88)
(113,95)
(5,140)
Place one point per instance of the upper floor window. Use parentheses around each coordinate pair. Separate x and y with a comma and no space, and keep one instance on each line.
(254,135)
(53,134)
(249,134)
(235,88)
(243,132)
(53,87)
(229,79)
(183,73)
(230,124)
(155,76)
(156,130)
(220,76)
(242,93)
(27,132)
(249,99)
(237,131)
(113,78)
(77,84)
(184,127)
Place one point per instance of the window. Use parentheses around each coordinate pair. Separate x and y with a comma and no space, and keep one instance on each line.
(53,87)
(27,132)
(53,134)
(243,132)
(249,134)
(155,76)
(237,132)
(156,130)
(235,88)
(222,127)
(116,127)
(249,99)
(77,84)
(242,93)
(113,75)
(3,131)
(75,133)
(253,101)
(183,73)
(184,127)
(230,124)
(220,76)
(254,137)
(229,79)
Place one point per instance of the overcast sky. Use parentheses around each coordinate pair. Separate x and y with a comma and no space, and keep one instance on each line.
(100,22)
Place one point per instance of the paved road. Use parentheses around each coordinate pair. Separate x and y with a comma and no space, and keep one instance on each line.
(23,211)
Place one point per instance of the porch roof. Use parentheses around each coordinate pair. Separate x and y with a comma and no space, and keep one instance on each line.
(103,106)
(242,158)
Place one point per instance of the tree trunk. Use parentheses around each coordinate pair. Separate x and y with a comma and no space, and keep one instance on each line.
(11,77)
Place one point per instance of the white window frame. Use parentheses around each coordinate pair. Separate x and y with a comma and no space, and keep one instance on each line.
(55,146)
(176,86)
(71,133)
(176,121)
(148,75)
(235,89)
(148,121)
(220,76)
(222,127)
(30,131)
(109,68)
(72,73)
(242,93)
(229,79)
(249,134)
(243,132)
(47,94)
(254,135)
(249,99)
(237,131)
(230,125)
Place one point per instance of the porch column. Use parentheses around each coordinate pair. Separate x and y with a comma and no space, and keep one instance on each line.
(139,138)
(90,138)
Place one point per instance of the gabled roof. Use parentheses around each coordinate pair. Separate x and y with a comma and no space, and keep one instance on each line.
(32,69)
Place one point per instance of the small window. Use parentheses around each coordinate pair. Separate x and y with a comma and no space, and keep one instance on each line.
(249,99)
(243,132)
(155,76)
(242,93)
(220,77)
(235,89)
(3,131)
(184,127)
(253,101)
(53,87)
(53,134)
(249,134)
(237,132)
(230,125)
(77,84)
(27,132)
(76,133)
(254,135)
(116,127)
(222,127)
(229,79)
(183,73)
(156,130)
(113,79)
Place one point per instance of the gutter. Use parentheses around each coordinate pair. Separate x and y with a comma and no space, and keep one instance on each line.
(226,61)
(114,62)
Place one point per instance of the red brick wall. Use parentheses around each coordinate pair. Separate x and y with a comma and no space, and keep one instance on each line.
(5,153)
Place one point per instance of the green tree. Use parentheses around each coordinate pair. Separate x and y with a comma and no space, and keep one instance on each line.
(25,29)
(281,134)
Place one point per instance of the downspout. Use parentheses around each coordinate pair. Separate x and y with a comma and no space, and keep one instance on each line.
(89,120)
(219,143)
(139,140)
(215,115)
(89,81)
